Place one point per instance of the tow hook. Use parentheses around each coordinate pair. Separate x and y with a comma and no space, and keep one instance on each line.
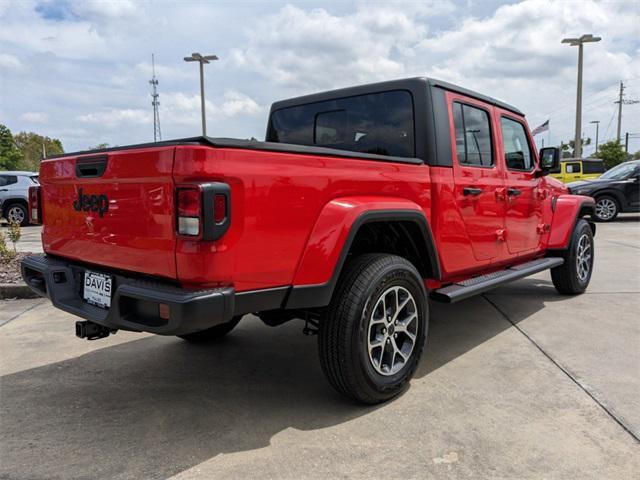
(92,331)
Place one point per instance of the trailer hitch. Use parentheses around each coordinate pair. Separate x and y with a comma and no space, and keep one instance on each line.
(92,331)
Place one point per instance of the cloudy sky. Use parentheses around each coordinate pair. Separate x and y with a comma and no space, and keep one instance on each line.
(79,71)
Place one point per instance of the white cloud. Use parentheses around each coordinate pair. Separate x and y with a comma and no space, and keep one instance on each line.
(87,64)
(11,63)
(34,117)
(117,117)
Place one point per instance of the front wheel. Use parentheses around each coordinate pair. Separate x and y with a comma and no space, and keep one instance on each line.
(573,276)
(372,337)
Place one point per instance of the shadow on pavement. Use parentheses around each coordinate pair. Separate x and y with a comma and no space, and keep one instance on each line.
(157,406)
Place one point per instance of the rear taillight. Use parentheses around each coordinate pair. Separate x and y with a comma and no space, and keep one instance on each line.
(189,211)
(203,210)
(35,205)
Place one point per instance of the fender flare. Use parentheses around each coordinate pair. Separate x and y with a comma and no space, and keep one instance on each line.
(567,210)
(330,241)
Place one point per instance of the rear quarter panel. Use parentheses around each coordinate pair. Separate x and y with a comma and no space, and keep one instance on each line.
(276,200)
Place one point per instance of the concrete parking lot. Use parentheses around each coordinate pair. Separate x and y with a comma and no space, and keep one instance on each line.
(519,383)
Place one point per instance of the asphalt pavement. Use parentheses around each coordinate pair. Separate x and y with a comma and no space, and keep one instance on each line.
(519,383)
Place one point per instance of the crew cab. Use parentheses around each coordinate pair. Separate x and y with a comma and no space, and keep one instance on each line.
(361,205)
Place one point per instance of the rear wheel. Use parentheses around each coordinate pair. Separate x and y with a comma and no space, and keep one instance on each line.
(16,212)
(573,276)
(607,209)
(214,333)
(373,335)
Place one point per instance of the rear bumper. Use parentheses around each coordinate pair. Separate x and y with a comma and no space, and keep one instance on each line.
(134,302)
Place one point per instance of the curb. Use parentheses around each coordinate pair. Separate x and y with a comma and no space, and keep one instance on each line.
(16,290)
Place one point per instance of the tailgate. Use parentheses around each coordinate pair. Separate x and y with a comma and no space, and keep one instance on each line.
(114,209)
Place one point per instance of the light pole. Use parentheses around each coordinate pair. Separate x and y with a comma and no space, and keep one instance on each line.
(201,59)
(586,38)
(597,122)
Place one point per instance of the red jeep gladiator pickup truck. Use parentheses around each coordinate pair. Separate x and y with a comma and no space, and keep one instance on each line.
(361,204)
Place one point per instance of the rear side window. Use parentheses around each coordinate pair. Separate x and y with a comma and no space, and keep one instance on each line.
(379,123)
(473,136)
(573,167)
(517,153)
(592,167)
(8,180)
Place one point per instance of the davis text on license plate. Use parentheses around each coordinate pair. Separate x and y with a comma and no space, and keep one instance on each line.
(97,289)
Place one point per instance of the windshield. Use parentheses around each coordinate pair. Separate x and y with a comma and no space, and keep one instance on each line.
(620,172)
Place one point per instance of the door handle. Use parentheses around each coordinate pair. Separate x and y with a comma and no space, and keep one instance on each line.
(4,189)
(471,191)
(513,192)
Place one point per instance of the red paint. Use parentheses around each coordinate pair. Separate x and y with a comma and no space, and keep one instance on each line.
(290,214)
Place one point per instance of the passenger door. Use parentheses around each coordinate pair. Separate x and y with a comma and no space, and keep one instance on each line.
(523,205)
(573,172)
(478,180)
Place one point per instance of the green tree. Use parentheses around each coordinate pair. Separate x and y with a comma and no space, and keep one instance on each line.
(612,153)
(10,156)
(34,146)
(636,156)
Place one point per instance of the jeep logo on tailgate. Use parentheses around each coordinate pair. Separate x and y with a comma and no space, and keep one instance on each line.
(94,203)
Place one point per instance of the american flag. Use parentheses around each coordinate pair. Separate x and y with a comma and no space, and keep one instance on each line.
(542,128)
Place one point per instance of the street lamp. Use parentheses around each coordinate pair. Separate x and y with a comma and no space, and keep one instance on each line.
(573,42)
(597,122)
(201,59)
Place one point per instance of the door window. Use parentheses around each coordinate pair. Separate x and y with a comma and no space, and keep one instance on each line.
(473,136)
(573,167)
(517,154)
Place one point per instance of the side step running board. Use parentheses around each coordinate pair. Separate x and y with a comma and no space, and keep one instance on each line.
(474,286)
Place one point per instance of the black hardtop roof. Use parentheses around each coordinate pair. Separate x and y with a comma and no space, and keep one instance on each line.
(400,84)
(581,159)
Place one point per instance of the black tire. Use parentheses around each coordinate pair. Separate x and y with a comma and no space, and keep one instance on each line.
(15,207)
(345,331)
(568,278)
(212,334)
(607,209)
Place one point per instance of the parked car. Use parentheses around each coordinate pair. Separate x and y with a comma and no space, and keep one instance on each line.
(360,204)
(14,195)
(615,191)
(572,169)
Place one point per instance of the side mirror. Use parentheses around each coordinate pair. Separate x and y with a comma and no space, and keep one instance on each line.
(549,160)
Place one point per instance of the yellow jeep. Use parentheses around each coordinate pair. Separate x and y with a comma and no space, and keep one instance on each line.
(572,169)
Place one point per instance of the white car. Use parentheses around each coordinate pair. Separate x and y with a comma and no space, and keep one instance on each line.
(14,195)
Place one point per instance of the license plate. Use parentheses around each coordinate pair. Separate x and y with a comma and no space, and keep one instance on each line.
(97,289)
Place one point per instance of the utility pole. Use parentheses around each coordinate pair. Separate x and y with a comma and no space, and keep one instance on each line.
(157,135)
(597,122)
(579,42)
(626,142)
(620,101)
(202,59)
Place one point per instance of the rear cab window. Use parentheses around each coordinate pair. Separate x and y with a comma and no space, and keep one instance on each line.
(378,123)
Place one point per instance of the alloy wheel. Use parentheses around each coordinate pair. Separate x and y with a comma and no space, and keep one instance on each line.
(15,214)
(393,329)
(606,208)
(583,257)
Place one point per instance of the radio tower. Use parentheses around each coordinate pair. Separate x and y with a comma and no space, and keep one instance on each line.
(157,135)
